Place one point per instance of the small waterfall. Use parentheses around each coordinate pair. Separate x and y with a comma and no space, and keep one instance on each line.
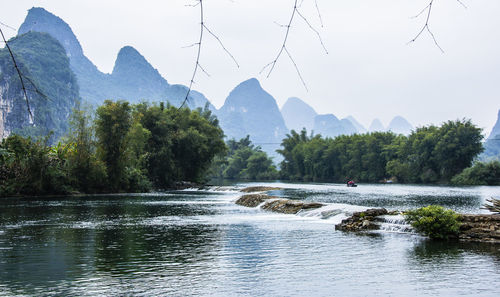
(394,223)
(333,212)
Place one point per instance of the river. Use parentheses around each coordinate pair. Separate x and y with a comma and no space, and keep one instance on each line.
(199,243)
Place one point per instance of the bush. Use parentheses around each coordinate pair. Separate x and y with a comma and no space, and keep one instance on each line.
(479,174)
(434,221)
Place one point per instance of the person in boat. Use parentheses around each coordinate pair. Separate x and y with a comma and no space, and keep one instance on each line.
(351,183)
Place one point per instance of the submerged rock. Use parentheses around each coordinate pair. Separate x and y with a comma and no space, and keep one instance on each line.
(363,220)
(259,189)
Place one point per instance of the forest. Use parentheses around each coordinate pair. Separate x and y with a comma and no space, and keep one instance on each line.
(123,148)
(429,154)
(138,148)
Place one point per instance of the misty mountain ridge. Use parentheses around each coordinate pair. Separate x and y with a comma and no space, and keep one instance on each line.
(298,114)
(492,143)
(133,78)
(400,125)
(250,110)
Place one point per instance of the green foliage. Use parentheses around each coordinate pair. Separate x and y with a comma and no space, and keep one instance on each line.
(434,221)
(182,144)
(112,125)
(86,171)
(30,167)
(244,161)
(125,149)
(360,157)
(45,67)
(479,174)
(429,155)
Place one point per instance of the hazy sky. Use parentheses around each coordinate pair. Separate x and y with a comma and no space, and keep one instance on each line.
(370,70)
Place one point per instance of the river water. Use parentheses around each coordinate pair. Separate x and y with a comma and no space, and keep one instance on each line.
(199,243)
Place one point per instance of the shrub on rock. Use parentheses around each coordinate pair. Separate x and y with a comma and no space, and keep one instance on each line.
(434,221)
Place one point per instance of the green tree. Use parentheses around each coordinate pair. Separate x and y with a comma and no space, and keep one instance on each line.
(112,126)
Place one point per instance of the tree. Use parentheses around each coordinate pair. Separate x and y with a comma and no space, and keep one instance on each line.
(112,126)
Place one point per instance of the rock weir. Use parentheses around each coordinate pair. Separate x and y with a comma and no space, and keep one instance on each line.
(480,228)
(276,204)
(259,189)
(362,220)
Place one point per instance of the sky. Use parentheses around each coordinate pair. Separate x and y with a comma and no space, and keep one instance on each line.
(370,70)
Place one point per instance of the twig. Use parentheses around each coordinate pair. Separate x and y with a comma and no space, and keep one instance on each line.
(20,76)
(283,48)
(197,64)
(7,26)
(319,13)
(273,63)
(314,30)
(427,9)
(296,68)
(203,27)
(222,45)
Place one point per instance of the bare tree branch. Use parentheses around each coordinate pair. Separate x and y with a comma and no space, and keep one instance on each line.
(273,63)
(283,47)
(427,9)
(319,13)
(20,76)
(197,66)
(222,45)
(426,27)
(314,30)
(297,69)
(7,26)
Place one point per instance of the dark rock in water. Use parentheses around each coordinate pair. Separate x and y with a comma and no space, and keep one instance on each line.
(363,220)
(259,189)
(253,200)
(289,206)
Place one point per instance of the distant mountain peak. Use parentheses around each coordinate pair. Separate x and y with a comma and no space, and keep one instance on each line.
(130,62)
(298,114)
(400,125)
(40,20)
(376,126)
(496,129)
(357,125)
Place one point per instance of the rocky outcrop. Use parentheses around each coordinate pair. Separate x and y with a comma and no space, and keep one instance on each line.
(253,200)
(361,221)
(259,189)
(288,206)
(276,204)
(480,228)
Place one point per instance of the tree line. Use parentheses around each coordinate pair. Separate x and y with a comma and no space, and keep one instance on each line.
(137,148)
(429,154)
(123,148)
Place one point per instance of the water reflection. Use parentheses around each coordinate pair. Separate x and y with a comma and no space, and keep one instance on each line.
(201,243)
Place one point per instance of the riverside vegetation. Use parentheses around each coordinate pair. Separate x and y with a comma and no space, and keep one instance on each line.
(137,148)
(429,154)
(125,148)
